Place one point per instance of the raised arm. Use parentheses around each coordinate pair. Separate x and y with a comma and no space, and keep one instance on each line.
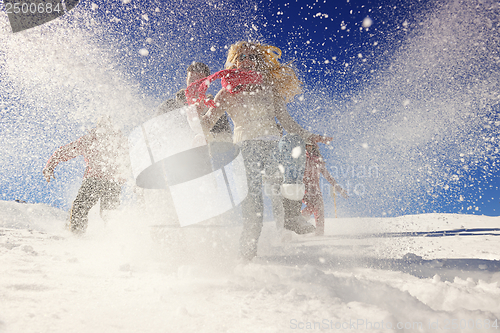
(330,179)
(291,126)
(62,154)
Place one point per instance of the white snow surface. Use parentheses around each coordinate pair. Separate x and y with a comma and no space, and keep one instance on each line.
(117,278)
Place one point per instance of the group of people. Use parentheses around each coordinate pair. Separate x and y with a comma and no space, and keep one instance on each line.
(255,90)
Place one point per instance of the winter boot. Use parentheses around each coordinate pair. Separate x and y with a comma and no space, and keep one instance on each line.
(294,221)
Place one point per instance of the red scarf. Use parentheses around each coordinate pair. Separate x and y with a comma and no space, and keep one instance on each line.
(232,80)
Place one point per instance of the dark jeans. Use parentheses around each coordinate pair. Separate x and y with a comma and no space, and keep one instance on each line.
(266,158)
(90,192)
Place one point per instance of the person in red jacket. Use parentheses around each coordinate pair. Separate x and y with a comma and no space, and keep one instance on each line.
(105,150)
(313,198)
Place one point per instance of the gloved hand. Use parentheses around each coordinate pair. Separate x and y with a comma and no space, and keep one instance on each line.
(316,138)
(340,190)
(47,173)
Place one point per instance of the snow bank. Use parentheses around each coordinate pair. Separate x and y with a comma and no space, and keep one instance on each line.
(39,217)
(117,279)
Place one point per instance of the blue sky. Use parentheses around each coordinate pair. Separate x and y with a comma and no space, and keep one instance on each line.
(399,94)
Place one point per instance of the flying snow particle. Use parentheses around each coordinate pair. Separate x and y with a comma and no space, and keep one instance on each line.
(94,6)
(145,17)
(149,40)
(254,27)
(125,2)
(364,145)
(367,22)
(296,152)
(406,24)
(212,49)
(406,102)
(144,52)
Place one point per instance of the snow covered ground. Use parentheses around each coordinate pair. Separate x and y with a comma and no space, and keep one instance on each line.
(411,274)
